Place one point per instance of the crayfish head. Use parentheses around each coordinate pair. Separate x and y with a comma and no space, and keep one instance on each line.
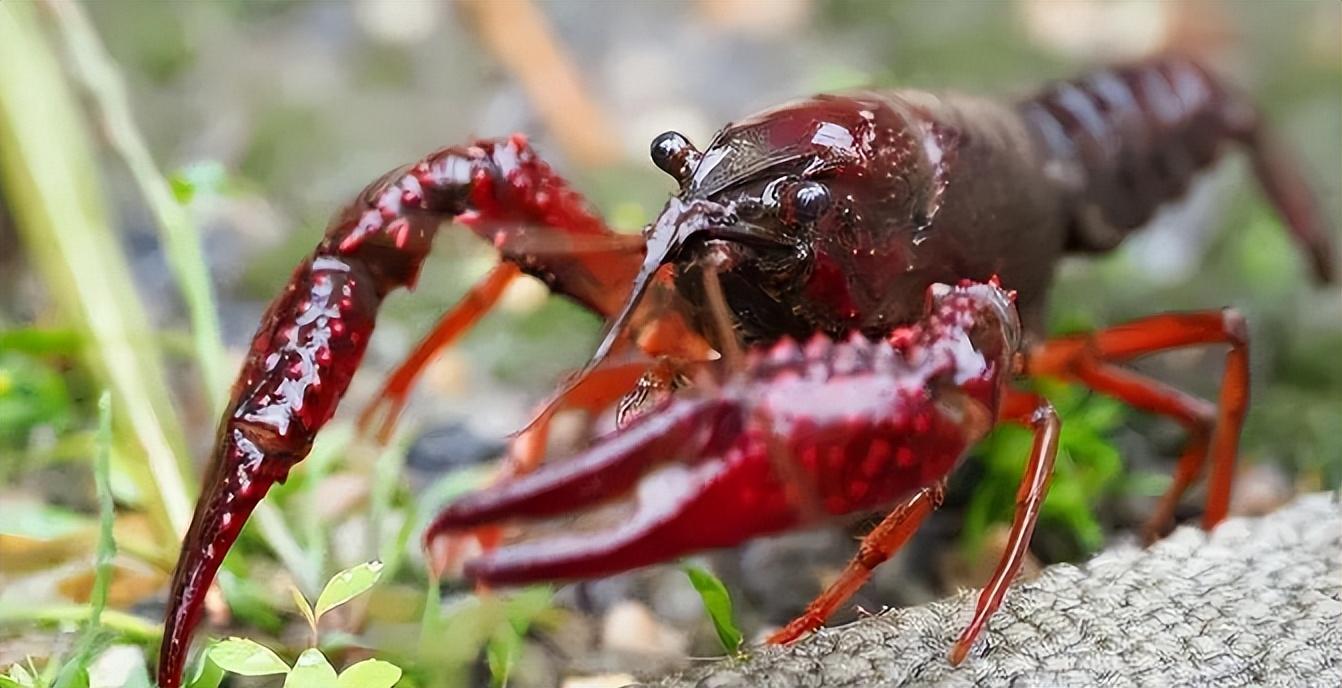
(746,216)
(829,202)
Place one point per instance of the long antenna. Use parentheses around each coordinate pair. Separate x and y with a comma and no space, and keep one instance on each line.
(678,222)
(659,250)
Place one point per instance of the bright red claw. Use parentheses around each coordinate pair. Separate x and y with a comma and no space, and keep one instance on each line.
(235,484)
(805,433)
(300,364)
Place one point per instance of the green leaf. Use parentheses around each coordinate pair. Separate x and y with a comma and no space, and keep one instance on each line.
(370,673)
(137,677)
(32,519)
(520,611)
(208,176)
(523,607)
(718,603)
(73,675)
(183,189)
(20,676)
(303,607)
(207,675)
(40,341)
(311,671)
(347,585)
(504,647)
(32,394)
(247,658)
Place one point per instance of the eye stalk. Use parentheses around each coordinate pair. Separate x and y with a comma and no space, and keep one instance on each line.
(673,154)
(805,202)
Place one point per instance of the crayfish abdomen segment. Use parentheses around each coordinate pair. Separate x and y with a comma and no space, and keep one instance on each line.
(1123,141)
(1126,140)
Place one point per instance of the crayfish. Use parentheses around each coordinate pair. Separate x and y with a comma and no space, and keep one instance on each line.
(826,316)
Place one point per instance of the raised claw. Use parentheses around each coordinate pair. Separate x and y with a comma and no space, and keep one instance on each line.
(313,336)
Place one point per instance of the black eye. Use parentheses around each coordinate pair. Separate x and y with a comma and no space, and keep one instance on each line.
(673,154)
(807,201)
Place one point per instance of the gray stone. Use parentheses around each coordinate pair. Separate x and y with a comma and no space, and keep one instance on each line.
(1258,602)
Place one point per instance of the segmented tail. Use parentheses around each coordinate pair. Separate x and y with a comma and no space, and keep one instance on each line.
(1129,139)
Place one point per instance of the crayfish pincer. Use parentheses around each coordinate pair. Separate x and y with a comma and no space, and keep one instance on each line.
(833,307)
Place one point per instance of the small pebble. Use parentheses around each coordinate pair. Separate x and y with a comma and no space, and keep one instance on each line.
(631,627)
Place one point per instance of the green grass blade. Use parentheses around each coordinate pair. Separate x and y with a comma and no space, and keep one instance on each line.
(181,239)
(49,176)
(501,654)
(75,672)
(100,76)
(125,626)
(272,527)
(102,474)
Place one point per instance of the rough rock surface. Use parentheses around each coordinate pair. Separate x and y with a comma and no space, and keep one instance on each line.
(1258,602)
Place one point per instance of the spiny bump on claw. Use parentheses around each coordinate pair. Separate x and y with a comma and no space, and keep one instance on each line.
(853,356)
(903,338)
(818,347)
(822,358)
(785,352)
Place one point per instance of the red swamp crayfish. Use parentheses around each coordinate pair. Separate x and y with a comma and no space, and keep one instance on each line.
(823,320)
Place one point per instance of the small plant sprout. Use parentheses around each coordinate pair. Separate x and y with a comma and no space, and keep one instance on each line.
(718,604)
(347,585)
(312,669)
(17,677)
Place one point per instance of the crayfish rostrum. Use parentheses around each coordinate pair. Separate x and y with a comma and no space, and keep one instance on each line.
(827,315)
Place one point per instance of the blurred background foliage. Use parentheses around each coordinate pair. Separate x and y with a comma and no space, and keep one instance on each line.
(154,197)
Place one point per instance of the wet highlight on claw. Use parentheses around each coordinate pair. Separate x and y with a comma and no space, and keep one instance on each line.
(836,304)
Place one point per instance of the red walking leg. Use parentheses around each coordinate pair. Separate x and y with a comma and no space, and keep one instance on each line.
(887,537)
(1215,430)
(1196,414)
(1033,487)
(879,545)
(386,406)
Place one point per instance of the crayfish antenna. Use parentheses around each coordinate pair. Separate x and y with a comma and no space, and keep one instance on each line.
(679,221)
(659,251)
(727,342)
